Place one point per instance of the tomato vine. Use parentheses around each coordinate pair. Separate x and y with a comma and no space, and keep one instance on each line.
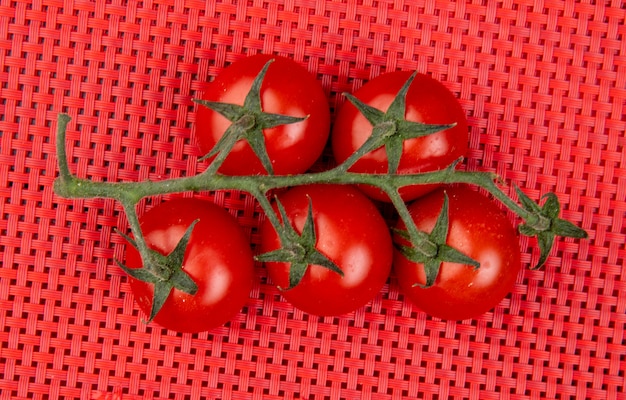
(391,130)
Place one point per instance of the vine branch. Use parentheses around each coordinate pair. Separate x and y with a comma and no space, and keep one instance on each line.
(248,121)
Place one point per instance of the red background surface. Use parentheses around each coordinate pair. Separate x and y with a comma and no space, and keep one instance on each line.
(544,87)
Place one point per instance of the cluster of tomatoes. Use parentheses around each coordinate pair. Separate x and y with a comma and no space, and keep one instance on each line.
(348,226)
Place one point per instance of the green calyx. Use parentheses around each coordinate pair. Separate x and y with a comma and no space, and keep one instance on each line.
(390,129)
(545,224)
(248,123)
(298,249)
(164,272)
(433,250)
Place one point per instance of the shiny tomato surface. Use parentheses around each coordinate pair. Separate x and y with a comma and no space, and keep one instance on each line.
(478,228)
(351,232)
(288,89)
(218,259)
(428,101)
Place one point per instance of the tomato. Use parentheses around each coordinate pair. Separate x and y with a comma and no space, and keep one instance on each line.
(287,89)
(351,232)
(218,258)
(479,229)
(428,101)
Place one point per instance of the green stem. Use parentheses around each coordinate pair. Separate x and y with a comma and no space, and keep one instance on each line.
(135,226)
(129,193)
(73,187)
(165,272)
(236,131)
(380,132)
(266,205)
(64,169)
(418,238)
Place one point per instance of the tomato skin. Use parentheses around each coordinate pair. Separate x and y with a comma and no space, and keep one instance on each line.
(350,232)
(218,258)
(479,229)
(428,101)
(288,89)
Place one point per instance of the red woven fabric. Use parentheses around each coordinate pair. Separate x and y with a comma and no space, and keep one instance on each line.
(544,87)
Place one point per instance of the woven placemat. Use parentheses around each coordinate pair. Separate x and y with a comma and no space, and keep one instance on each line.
(544,87)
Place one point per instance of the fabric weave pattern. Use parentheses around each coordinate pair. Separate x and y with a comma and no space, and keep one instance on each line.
(544,87)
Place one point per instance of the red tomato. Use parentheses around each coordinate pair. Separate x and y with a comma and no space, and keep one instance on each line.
(218,259)
(480,230)
(288,89)
(428,101)
(351,232)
